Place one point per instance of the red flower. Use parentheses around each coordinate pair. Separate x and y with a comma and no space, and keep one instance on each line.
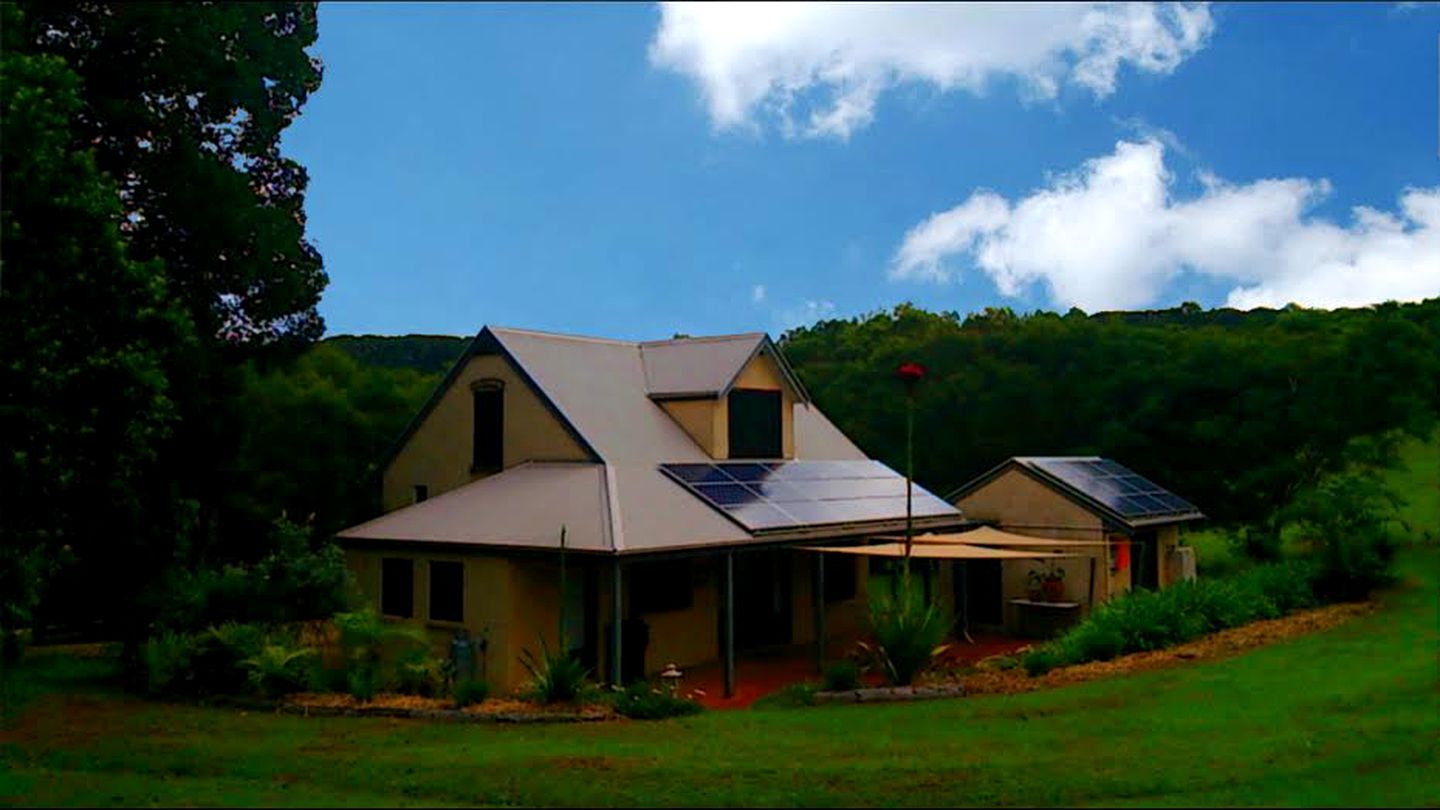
(911,372)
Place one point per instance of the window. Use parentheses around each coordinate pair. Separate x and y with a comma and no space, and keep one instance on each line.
(421,492)
(755,424)
(839,577)
(447,592)
(488,401)
(397,587)
(656,587)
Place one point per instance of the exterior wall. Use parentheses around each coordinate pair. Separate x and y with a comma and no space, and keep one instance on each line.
(1022,505)
(1167,542)
(487,602)
(690,636)
(844,620)
(700,418)
(438,453)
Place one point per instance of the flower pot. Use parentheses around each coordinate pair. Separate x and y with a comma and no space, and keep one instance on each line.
(1054,590)
(1036,595)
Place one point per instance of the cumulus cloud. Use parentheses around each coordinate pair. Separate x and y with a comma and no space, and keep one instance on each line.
(805,314)
(820,67)
(1111,235)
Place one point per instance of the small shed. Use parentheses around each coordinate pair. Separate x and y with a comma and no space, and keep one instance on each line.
(1128,524)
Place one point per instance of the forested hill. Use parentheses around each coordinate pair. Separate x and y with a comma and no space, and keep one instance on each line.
(428,353)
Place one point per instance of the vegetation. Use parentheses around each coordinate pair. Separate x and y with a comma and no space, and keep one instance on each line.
(640,701)
(906,632)
(1346,717)
(469,692)
(842,676)
(556,677)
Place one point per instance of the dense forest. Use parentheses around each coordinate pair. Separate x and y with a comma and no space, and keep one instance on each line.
(182,445)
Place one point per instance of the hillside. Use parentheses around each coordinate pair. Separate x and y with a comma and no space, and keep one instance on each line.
(431,354)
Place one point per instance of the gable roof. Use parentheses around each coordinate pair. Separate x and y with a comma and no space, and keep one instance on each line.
(1095,496)
(601,391)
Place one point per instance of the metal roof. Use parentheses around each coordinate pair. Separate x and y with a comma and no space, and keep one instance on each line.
(1091,492)
(600,390)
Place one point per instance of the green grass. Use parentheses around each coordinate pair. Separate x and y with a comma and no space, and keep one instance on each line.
(1350,716)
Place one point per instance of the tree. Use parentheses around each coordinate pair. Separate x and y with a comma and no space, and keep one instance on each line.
(85,330)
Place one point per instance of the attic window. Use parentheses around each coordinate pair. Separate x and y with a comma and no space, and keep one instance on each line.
(488,437)
(755,424)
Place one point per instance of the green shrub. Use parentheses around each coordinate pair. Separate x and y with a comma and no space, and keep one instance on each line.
(278,669)
(1346,519)
(220,652)
(419,673)
(555,677)
(640,701)
(1288,586)
(907,632)
(1041,660)
(470,692)
(322,678)
(362,681)
(842,676)
(166,660)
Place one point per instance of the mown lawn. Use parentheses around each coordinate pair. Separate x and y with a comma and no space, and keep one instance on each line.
(1346,717)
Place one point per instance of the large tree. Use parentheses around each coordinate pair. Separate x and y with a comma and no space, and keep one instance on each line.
(85,330)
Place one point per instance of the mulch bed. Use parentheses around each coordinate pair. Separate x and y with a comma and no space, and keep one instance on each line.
(495,710)
(991,680)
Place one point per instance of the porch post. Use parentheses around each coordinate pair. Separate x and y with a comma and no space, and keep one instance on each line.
(727,652)
(615,674)
(1090,601)
(820,611)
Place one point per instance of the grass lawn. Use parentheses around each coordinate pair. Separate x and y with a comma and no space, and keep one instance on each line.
(1350,716)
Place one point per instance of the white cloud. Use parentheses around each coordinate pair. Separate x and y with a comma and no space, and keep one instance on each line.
(805,314)
(757,293)
(820,67)
(1111,236)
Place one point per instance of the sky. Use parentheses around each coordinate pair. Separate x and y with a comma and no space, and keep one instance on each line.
(636,171)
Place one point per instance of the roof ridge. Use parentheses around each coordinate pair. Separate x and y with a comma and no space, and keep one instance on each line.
(702,339)
(563,336)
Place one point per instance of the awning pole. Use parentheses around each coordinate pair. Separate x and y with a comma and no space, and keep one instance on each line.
(964,607)
(615,673)
(820,610)
(728,651)
(1090,605)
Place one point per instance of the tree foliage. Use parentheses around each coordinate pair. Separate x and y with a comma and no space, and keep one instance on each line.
(86,331)
(1235,411)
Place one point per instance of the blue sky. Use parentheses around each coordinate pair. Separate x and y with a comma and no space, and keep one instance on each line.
(631,171)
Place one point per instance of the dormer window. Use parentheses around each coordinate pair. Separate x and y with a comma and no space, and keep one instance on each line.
(488,437)
(755,424)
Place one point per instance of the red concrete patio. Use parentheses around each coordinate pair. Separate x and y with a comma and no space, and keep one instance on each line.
(759,675)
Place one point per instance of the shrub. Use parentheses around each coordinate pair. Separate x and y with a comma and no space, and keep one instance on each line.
(842,676)
(419,673)
(907,632)
(1288,586)
(556,677)
(1346,519)
(362,681)
(323,678)
(1041,660)
(470,692)
(640,701)
(278,669)
(220,652)
(166,660)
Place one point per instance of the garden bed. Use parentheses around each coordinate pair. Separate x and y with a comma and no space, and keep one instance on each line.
(990,678)
(495,710)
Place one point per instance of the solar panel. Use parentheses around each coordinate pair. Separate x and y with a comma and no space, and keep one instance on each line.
(1116,486)
(792,494)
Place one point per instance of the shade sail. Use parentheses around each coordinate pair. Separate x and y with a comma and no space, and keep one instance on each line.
(987,536)
(937,551)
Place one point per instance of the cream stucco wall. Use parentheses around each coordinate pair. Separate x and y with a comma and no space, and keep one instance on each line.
(707,420)
(488,589)
(439,453)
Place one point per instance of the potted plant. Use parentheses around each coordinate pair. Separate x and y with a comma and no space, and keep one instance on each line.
(1047,584)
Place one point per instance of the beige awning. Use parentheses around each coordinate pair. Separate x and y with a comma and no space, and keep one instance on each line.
(937,551)
(987,536)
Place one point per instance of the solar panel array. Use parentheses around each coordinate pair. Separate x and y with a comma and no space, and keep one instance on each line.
(763,495)
(1117,487)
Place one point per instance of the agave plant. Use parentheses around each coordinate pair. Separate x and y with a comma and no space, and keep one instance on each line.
(907,632)
(556,677)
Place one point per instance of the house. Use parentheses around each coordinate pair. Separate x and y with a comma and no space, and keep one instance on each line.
(1118,530)
(683,474)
